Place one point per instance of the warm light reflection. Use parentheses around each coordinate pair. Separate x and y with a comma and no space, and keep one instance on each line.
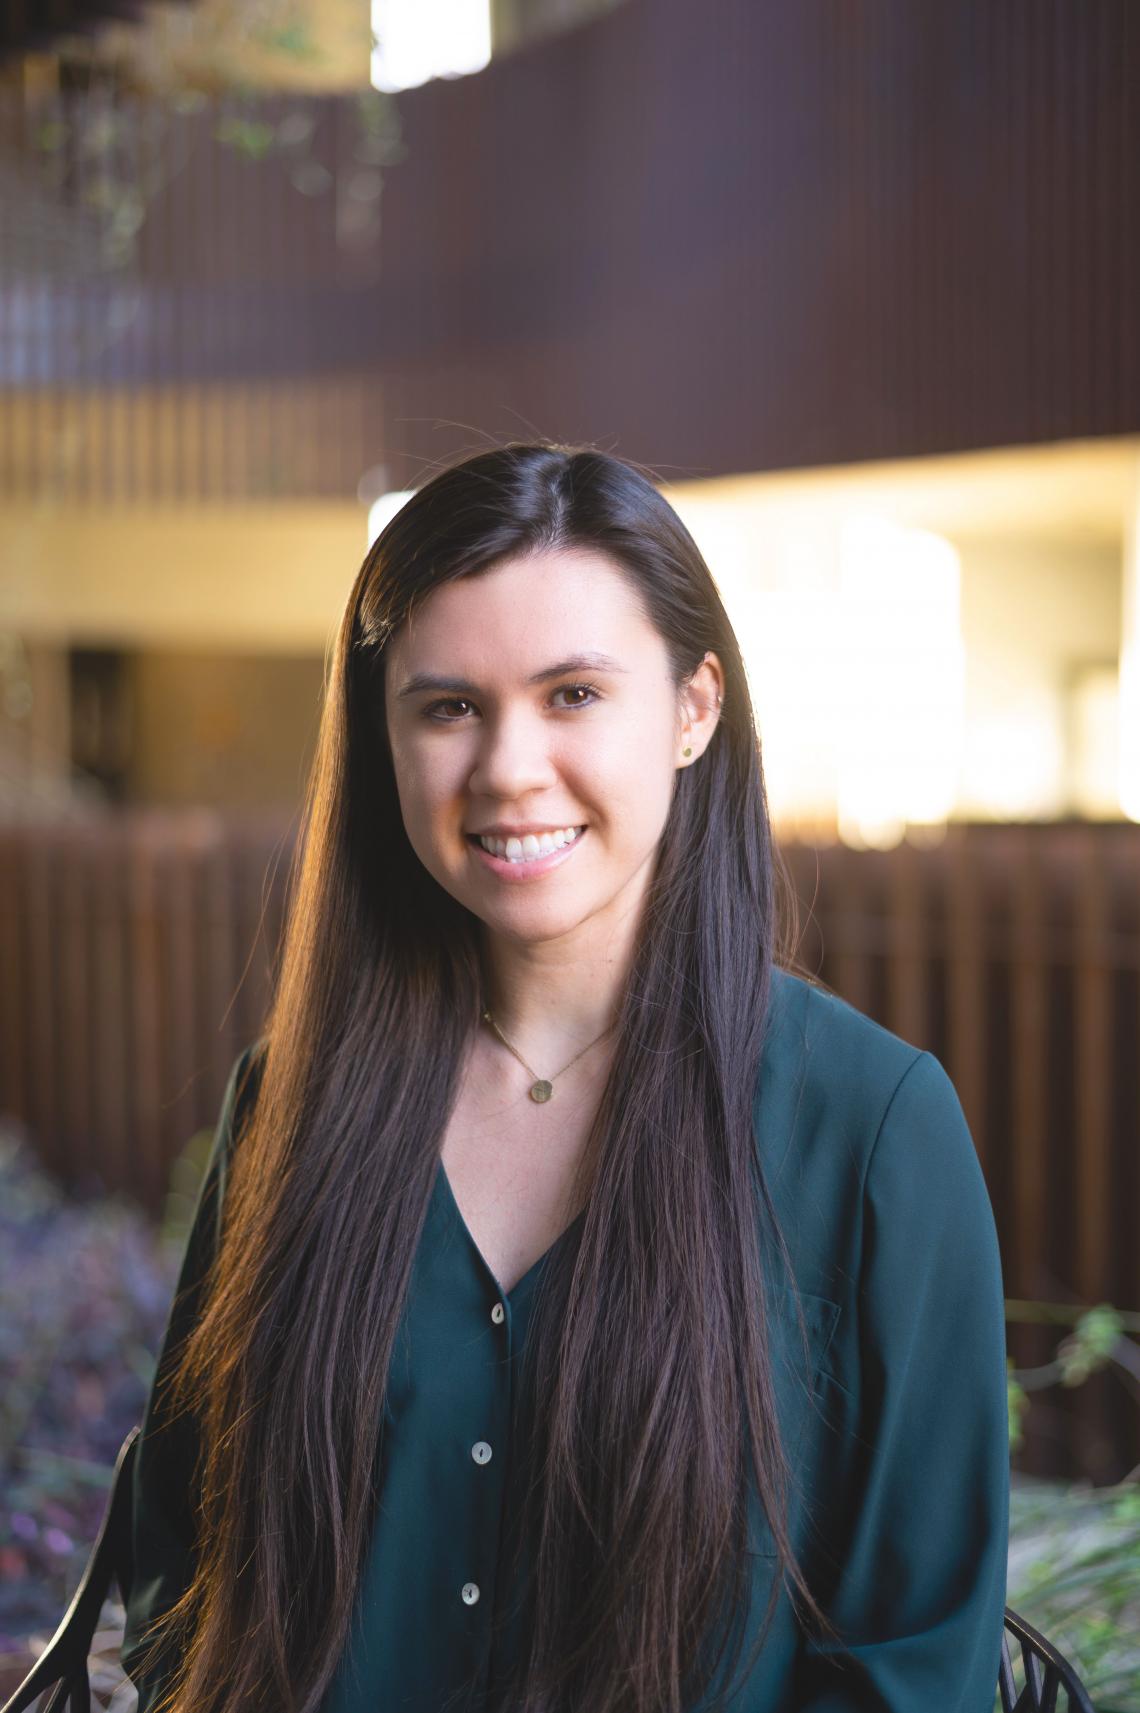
(1129,769)
(419,39)
(789,645)
(1129,730)
(385,508)
(936,638)
(1095,772)
(850,629)
(1015,759)
(898,695)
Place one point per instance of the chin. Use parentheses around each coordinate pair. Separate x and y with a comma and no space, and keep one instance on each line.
(547,917)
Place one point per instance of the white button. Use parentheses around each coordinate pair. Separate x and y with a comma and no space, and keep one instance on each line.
(481,1451)
(497,1313)
(470,1593)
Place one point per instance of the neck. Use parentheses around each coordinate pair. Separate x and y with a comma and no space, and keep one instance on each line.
(551,999)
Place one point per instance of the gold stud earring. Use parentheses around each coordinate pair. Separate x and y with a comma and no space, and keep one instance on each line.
(687,751)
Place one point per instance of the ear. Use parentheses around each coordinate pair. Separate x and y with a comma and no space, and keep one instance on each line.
(702,696)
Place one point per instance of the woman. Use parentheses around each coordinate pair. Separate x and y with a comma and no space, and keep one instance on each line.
(583,1310)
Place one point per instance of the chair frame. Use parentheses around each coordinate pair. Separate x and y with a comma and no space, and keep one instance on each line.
(63,1662)
(1047,1671)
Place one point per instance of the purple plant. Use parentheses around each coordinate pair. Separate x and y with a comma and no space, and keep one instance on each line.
(85,1289)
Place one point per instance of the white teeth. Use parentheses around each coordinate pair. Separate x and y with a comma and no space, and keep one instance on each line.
(529,847)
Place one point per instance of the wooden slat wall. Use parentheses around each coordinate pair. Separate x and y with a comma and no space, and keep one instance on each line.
(205,441)
(741,236)
(136,956)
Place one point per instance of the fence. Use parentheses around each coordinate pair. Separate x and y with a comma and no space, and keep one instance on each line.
(135,962)
(137,954)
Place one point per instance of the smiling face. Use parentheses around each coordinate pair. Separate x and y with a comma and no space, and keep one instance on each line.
(499,741)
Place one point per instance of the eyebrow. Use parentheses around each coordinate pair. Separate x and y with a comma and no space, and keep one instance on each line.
(590,662)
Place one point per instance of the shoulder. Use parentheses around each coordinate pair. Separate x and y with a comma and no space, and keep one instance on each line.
(833,1056)
(845,1108)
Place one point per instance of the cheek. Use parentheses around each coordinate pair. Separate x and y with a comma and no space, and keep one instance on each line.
(422,781)
(417,815)
(630,784)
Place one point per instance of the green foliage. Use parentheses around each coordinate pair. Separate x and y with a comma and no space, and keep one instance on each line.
(250,137)
(1074,1574)
(1092,1345)
(294,40)
(1018,1400)
(1074,1565)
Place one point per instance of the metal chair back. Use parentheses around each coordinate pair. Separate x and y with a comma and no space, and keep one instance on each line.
(1047,1673)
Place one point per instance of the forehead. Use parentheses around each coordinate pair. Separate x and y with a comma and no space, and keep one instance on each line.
(570,600)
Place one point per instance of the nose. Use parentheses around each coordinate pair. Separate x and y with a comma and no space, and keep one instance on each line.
(513,758)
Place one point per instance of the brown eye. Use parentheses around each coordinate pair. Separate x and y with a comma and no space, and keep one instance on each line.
(448,702)
(590,689)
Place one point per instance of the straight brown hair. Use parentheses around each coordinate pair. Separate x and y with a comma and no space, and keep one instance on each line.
(649,1335)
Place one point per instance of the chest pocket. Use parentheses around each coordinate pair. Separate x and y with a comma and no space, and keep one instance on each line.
(795,1392)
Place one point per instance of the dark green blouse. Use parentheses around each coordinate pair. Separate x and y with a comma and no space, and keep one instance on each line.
(899,1442)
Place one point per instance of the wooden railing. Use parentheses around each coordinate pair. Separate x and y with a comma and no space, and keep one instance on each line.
(137,954)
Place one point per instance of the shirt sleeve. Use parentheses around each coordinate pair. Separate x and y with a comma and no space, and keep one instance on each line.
(920,1593)
(162,1486)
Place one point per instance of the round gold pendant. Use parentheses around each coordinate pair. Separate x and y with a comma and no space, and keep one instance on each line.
(541,1090)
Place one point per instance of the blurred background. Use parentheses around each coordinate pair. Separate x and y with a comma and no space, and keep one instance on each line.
(860,284)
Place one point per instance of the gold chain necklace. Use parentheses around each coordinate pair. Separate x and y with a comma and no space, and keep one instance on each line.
(542,1088)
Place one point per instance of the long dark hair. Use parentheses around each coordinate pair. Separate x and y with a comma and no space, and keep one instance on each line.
(640,1556)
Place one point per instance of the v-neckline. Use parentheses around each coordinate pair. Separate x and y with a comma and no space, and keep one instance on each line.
(526,1278)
